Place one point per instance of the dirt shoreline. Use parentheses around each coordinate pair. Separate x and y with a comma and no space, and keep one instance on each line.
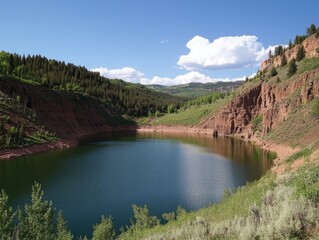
(283,151)
(18,152)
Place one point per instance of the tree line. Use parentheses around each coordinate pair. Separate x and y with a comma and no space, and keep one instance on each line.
(280,50)
(122,97)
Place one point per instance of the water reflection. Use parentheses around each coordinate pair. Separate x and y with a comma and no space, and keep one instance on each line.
(108,176)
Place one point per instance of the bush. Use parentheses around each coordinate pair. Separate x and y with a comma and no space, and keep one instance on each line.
(256,122)
(273,72)
(104,230)
(280,216)
(307,183)
(277,80)
(142,217)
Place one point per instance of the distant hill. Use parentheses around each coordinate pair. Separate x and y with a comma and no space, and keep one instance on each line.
(193,90)
(120,97)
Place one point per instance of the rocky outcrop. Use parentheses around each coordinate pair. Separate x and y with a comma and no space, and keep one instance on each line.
(274,103)
(236,117)
(69,115)
(310,44)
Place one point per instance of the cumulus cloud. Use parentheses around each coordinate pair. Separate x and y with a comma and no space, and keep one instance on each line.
(233,52)
(134,76)
(128,74)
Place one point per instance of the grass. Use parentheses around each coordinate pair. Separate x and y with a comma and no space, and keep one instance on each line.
(238,203)
(191,116)
(298,128)
(259,210)
(308,64)
(303,153)
(256,122)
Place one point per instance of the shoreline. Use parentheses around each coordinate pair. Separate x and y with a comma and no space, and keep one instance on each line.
(282,151)
(29,150)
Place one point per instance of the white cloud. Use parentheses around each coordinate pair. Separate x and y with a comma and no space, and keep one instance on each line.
(132,75)
(127,74)
(164,41)
(224,53)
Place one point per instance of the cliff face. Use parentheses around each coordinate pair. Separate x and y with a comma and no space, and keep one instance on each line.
(273,101)
(69,115)
(310,45)
(236,116)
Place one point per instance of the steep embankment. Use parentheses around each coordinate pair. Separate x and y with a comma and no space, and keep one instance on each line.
(70,116)
(272,99)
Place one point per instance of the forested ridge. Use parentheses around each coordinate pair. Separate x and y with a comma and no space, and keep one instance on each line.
(122,97)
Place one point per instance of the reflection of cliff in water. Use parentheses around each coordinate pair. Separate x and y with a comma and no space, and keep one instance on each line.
(235,149)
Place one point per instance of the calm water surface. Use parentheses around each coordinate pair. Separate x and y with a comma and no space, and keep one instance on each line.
(107,177)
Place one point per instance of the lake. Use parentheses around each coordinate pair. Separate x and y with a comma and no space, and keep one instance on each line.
(108,176)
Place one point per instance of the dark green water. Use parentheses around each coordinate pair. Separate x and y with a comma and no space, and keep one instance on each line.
(107,177)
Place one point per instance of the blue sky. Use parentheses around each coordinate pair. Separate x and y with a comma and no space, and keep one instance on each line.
(153,41)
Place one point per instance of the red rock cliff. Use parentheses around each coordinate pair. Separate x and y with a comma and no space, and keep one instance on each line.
(274,103)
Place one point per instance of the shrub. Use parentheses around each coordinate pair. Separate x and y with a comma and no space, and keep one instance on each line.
(273,72)
(277,80)
(280,216)
(256,122)
(307,183)
(104,230)
(142,217)
(169,216)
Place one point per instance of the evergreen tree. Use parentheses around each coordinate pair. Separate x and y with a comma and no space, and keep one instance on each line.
(62,231)
(11,64)
(7,217)
(292,68)
(283,60)
(290,45)
(36,222)
(311,30)
(300,53)
(269,54)
(104,230)
(279,50)
(273,72)
(143,218)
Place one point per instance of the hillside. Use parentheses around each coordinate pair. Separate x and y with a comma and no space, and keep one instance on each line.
(194,90)
(120,97)
(33,115)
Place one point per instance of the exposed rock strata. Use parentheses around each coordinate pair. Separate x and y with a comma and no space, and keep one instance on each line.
(274,103)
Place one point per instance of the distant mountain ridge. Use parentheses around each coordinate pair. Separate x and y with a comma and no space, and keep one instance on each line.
(193,90)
